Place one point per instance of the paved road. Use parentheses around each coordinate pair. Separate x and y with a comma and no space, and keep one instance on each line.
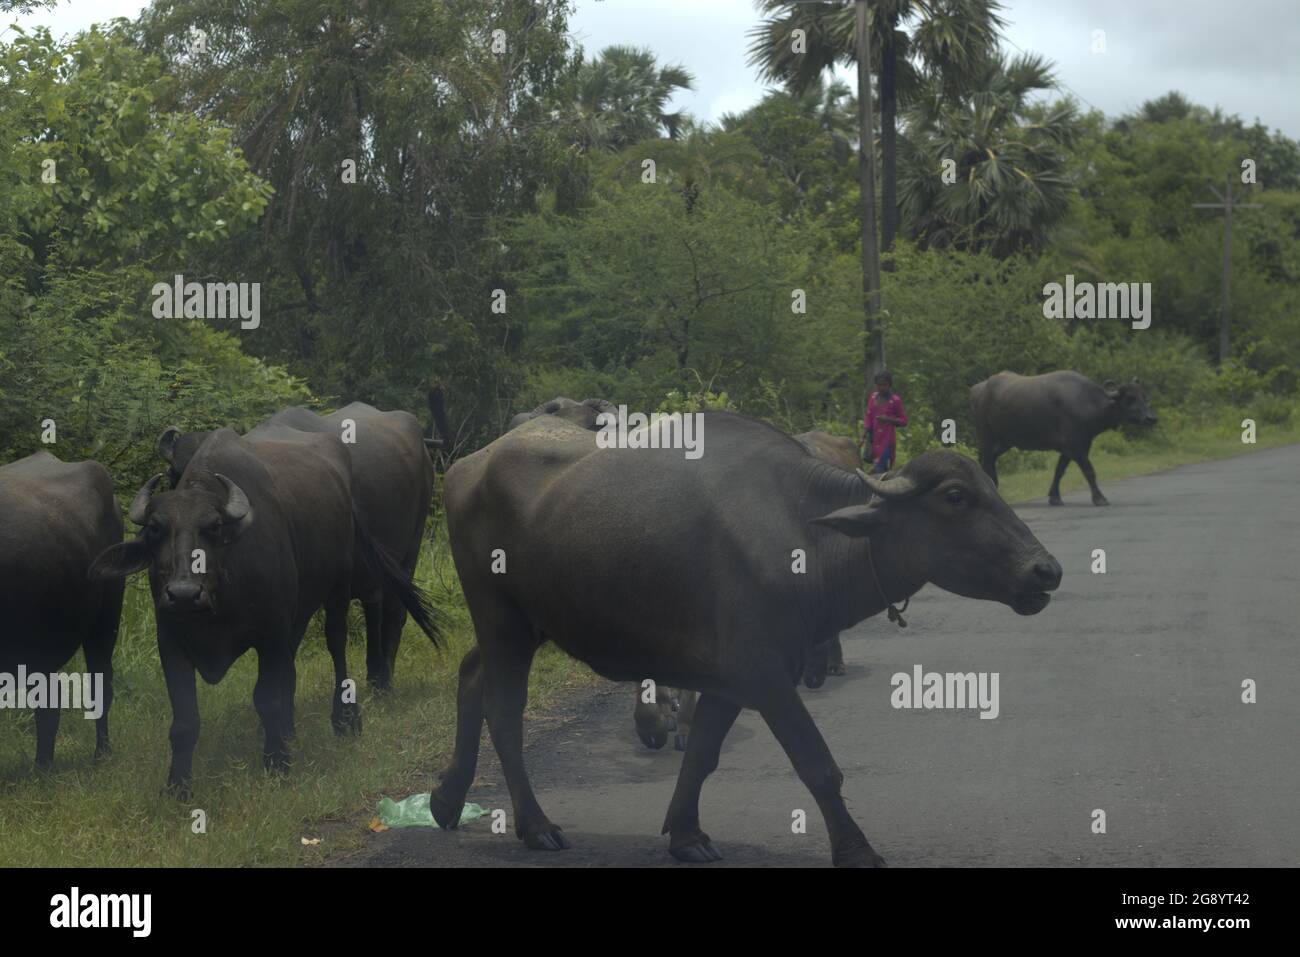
(1124,695)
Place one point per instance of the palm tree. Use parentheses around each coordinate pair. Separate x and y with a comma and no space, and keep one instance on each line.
(948,41)
(1010,185)
(622,97)
(700,156)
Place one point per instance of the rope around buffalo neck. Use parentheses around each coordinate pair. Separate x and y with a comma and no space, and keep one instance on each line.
(895,614)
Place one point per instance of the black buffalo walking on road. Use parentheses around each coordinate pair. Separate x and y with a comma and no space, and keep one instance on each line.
(258,535)
(645,564)
(55,517)
(1057,411)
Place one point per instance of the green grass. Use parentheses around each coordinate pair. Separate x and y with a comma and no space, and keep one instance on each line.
(113,813)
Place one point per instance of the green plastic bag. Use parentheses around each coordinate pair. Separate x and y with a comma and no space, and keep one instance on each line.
(414,812)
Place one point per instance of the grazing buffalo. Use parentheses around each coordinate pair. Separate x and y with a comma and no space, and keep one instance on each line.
(1060,411)
(55,517)
(582,414)
(392,484)
(840,451)
(259,533)
(645,564)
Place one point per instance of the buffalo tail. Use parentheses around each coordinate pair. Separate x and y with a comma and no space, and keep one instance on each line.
(384,568)
(439,429)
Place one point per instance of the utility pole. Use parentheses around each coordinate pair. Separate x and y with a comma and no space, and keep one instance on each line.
(1227,203)
(875,341)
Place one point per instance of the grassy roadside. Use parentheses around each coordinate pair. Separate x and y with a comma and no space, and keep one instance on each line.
(113,814)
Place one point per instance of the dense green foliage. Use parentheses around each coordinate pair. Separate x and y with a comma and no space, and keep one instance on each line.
(450,191)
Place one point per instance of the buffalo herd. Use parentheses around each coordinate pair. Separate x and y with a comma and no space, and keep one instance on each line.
(719,581)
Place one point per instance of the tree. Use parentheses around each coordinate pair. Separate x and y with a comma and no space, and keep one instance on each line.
(622,97)
(399,137)
(947,42)
(1007,160)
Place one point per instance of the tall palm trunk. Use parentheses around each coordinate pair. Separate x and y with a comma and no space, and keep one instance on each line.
(875,338)
(888,140)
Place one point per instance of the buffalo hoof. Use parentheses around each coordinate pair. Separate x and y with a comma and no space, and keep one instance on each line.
(654,740)
(546,837)
(837,670)
(695,848)
(346,719)
(1054,500)
(277,761)
(179,790)
(814,679)
(445,812)
(679,742)
(1099,499)
(379,685)
(858,857)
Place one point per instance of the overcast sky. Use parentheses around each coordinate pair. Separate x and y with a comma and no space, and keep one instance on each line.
(1243,56)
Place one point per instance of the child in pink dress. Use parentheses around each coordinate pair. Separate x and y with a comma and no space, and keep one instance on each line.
(884,414)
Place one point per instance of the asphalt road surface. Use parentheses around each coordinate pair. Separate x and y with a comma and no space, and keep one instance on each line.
(1124,695)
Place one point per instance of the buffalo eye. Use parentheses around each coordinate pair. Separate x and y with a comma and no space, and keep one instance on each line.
(213,529)
(955,497)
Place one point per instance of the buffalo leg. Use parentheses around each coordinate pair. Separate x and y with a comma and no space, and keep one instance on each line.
(989,462)
(793,726)
(814,669)
(99,657)
(448,798)
(835,658)
(1090,474)
(507,658)
(376,664)
(179,675)
(47,729)
(268,699)
(344,715)
(394,620)
(685,718)
(650,719)
(712,719)
(1054,493)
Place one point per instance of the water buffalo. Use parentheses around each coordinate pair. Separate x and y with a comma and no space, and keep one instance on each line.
(688,576)
(259,534)
(1060,411)
(673,710)
(392,484)
(582,414)
(55,517)
(843,453)
(839,450)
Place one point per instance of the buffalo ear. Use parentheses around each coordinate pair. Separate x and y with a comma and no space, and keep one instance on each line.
(120,560)
(856,521)
(167,442)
